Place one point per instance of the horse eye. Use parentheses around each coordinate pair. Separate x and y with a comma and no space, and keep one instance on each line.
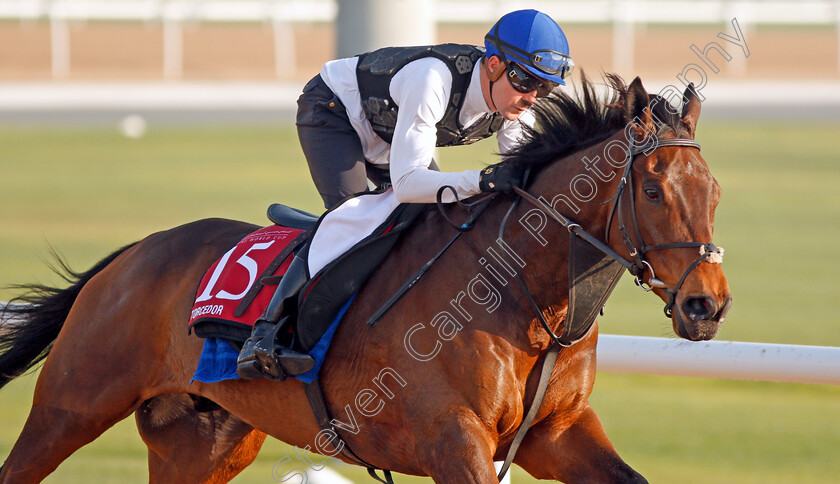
(652,194)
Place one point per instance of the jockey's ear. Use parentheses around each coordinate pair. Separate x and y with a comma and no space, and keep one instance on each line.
(637,110)
(495,67)
(691,109)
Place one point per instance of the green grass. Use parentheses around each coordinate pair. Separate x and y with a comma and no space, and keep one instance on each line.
(779,220)
(89,191)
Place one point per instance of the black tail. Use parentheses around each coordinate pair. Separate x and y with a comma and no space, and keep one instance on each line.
(33,319)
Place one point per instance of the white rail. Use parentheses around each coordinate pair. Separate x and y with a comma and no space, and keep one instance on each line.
(713,359)
(719,359)
(3,322)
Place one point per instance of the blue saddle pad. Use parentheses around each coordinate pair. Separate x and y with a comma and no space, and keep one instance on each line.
(218,357)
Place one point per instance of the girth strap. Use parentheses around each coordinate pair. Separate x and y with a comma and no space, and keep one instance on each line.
(319,407)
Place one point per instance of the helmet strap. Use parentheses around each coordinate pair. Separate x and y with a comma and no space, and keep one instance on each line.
(493,77)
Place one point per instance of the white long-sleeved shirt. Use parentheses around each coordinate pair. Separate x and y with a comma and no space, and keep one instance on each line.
(421,89)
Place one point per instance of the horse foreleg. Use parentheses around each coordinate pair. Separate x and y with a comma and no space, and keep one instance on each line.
(581,453)
(188,446)
(460,453)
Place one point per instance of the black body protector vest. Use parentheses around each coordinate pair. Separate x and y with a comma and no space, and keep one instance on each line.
(376,69)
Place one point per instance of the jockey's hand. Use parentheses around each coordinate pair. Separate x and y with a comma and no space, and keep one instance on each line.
(501,177)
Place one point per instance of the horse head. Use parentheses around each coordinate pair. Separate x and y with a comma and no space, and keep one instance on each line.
(630,173)
(665,217)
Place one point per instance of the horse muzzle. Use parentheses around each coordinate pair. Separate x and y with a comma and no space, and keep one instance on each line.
(698,317)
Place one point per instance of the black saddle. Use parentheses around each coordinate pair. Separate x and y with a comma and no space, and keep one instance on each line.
(292,217)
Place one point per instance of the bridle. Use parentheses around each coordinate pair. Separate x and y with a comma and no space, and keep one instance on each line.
(708,250)
(637,266)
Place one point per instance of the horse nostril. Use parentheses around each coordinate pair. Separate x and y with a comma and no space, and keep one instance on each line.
(721,314)
(699,308)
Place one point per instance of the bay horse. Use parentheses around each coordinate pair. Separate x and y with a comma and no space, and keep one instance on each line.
(440,385)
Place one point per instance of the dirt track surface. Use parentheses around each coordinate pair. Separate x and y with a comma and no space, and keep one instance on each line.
(121,51)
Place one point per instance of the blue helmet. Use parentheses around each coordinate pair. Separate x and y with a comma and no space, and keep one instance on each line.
(534,41)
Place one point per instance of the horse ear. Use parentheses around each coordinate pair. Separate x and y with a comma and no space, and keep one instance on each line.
(637,111)
(637,99)
(691,109)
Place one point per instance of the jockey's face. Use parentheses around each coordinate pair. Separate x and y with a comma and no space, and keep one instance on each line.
(508,101)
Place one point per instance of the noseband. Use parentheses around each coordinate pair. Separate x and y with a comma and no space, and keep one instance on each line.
(708,251)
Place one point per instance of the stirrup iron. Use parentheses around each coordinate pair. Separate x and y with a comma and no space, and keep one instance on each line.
(278,362)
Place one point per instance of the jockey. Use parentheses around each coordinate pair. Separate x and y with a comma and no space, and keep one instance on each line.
(379,116)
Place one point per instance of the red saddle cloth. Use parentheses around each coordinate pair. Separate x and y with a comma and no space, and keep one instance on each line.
(233,292)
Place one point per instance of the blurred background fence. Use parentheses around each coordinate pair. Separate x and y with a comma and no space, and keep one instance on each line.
(290,39)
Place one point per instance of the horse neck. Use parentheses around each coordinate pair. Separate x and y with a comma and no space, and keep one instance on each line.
(542,243)
(581,186)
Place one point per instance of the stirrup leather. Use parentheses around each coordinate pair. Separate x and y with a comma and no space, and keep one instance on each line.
(260,355)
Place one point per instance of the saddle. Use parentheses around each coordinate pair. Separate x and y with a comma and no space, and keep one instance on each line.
(321,301)
(286,216)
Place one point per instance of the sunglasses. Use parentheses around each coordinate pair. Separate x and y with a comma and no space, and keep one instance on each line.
(524,82)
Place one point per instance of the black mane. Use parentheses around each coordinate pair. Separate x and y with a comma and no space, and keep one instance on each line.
(565,123)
